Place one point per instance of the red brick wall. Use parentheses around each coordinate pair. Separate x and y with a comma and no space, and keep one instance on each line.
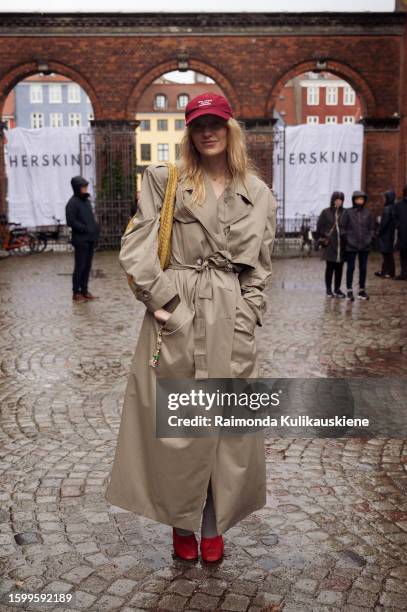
(248,63)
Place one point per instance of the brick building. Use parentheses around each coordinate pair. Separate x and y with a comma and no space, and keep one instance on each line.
(318,98)
(250,56)
(50,101)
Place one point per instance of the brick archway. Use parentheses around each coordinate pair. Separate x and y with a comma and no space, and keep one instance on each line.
(343,71)
(171,64)
(19,73)
(249,55)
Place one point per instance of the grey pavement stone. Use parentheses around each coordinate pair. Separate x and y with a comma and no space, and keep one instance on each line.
(182,587)
(122,587)
(330,598)
(173,602)
(201,601)
(236,602)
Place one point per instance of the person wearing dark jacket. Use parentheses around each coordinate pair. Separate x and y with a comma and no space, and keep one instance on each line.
(400,217)
(85,232)
(330,232)
(359,230)
(386,236)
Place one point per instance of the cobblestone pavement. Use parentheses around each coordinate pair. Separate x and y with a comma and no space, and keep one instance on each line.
(333,535)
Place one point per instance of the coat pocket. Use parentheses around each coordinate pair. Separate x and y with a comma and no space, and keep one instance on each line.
(249,318)
(179,317)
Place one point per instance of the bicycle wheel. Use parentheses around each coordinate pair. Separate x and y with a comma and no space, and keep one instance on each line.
(41,245)
(23,245)
(32,243)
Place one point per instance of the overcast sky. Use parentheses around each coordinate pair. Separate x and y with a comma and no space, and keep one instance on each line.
(199,5)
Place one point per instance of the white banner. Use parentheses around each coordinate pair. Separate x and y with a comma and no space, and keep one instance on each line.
(40,164)
(319,159)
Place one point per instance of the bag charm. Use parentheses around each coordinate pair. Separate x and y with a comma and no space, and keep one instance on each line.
(156,355)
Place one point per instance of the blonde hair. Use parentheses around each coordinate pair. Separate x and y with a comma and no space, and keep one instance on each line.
(239,162)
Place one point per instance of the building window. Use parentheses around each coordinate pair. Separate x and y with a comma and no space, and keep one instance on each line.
(332,96)
(160,101)
(55,93)
(179,124)
(56,120)
(312,96)
(349,96)
(37,120)
(162,125)
(182,100)
(74,93)
(177,150)
(146,152)
(91,116)
(312,119)
(75,120)
(348,119)
(36,94)
(331,119)
(163,152)
(145,125)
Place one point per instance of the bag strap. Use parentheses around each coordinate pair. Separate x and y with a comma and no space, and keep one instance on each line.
(167,217)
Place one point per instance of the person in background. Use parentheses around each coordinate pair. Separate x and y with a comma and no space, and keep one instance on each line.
(359,230)
(331,237)
(85,232)
(386,236)
(400,218)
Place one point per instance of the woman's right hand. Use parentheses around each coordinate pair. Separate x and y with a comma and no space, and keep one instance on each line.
(161,315)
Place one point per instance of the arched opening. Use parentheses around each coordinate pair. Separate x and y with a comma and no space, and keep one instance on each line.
(42,115)
(317,98)
(310,164)
(160,113)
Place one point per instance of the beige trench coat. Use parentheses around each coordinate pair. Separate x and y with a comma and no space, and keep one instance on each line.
(209,334)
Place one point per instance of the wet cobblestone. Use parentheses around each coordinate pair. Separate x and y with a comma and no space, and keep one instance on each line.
(333,535)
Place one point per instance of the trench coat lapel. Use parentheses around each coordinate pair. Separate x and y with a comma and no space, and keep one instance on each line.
(238,205)
(204,213)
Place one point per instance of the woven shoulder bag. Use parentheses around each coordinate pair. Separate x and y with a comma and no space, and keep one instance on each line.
(166,221)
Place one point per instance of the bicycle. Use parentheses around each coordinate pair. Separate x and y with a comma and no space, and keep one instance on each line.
(47,232)
(16,239)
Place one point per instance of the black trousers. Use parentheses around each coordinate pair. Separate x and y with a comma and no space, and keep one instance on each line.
(350,269)
(83,263)
(388,265)
(403,263)
(331,268)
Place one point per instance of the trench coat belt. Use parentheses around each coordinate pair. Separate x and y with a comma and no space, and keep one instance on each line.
(204,291)
(203,267)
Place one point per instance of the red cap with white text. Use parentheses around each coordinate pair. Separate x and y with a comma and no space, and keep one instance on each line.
(208,104)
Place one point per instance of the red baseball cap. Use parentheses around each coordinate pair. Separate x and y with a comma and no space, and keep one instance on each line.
(207,104)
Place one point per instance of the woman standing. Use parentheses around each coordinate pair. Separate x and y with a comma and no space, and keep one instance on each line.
(209,301)
(358,224)
(330,231)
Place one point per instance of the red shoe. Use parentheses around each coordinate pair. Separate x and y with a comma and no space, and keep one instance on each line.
(185,547)
(212,548)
